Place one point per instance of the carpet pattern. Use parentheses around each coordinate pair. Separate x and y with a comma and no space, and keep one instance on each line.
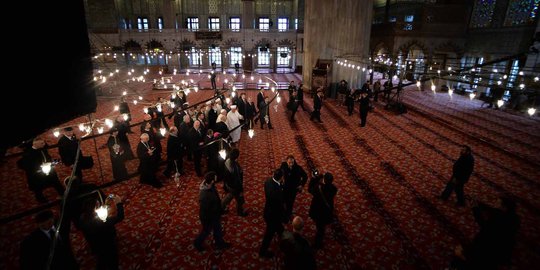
(387,174)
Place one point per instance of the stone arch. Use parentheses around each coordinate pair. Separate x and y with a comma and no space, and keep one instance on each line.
(449,47)
(207,43)
(154,44)
(232,42)
(380,48)
(263,42)
(286,43)
(406,47)
(132,45)
(185,44)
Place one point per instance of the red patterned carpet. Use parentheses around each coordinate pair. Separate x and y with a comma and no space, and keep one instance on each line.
(387,175)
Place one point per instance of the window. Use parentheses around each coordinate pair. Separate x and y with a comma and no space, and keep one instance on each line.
(213,23)
(234,24)
(296,24)
(283,56)
(513,75)
(160,23)
(482,13)
(264,24)
(521,12)
(263,57)
(408,27)
(142,23)
(236,55)
(409,18)
(283,24)
(392,19)
(195,57)
(214,56)
(125,24)
(193,23)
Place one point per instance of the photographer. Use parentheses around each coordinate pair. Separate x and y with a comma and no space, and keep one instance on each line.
(322,204)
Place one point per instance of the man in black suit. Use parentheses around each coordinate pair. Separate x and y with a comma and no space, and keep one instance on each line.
(298,253)
(322,204)
(35,160)
(364,107)
(35,248)
(196,138)
(317,105)
(210,212)
(274,211)
(264,113)
(260,98)
(67,147)
(294,180)
(175,152)
(300,96)
(213,79)
(147,162)
(462,170)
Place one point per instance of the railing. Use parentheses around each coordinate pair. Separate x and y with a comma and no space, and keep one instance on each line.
(184,30)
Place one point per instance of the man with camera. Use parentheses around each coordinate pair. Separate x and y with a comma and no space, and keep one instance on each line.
(294,180)
(322,204)
(461,171)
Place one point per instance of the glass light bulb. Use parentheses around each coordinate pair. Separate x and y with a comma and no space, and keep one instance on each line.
(100,130)
(433,87)
(124,93)
(125,116)
(472,95)
(531,111)
(102,213)
(278,99)
(82,127)
(227,100)
(450,92)
(233,94)
(145,110)
(46,168)
(500,102)
(418,84)
(223,153)
(135,102)
(116,107)
(56,133)
(163,131)
(109,123)
(251,132)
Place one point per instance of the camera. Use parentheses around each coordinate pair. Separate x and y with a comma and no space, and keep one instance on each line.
(315,172)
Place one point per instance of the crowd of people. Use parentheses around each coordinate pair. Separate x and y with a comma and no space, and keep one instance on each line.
(201,132)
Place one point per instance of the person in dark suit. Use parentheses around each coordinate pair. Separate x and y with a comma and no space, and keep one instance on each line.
(147,168)
(67,148)
(300,96)
(298,253)
(123,108)
(237,67)
(210,212)
(291,89)
(350,97)
(33,162)
(213,79)
(264,113)
(461,172)
(260,98)
(492,246)
(196,138)
(118,156)
(101,235)
(175,152)
(234,183)
(292,105)
(294,180)
(322,204)
(123,141)
(364,107)
(35,247)
(317,105)
(274,211)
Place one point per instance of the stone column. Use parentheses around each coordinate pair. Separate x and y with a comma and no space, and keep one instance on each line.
(168,17)
(336,28)
(248,14)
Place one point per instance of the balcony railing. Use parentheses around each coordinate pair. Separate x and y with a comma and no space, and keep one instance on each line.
(185,30)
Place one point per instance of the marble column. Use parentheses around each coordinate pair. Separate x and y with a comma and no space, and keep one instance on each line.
(336,28)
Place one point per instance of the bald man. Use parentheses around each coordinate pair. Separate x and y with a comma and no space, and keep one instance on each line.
(298,253)
(147,168)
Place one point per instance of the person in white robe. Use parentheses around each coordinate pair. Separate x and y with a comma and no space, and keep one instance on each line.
(233,120)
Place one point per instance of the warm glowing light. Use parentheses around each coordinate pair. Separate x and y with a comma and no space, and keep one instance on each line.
(227,100)
(109,122)
(163,131)
(252,78)
(522,86)
(433,87)
(226,80)
(196,89)
(102,213)
(449,68)
(531,111)
(56,133)
(418,84)
(505,76)
(472,95)
(450,92)
(223,153)
(499,82)
(278,99)
(495,70)
(536,79)
(125,116)
(116,107)
(145,110)
(158,106)
(82,127)
(46,168)
(521,73)
(273,89)
(251,132)
(500,102)
(135,101)
(100,130)
(363,69)
(233,94)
